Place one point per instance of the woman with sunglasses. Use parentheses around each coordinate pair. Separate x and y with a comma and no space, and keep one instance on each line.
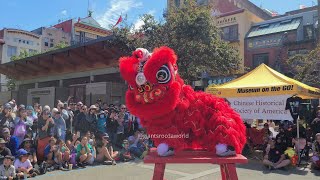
(105,153)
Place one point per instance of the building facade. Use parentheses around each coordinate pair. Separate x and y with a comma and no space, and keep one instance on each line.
(12,43)
(51,36)
(274,41)
(87,72)
(83,30)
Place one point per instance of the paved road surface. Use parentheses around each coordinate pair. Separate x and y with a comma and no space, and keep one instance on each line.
(140,171)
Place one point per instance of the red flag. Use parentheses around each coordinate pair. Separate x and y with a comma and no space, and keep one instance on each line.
(119,21)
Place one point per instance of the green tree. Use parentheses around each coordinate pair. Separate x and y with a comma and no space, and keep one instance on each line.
(306,67)
(192,33)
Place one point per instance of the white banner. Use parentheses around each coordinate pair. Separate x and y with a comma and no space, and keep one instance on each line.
(262,107)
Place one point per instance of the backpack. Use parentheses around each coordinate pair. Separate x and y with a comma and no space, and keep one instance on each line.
(43,168)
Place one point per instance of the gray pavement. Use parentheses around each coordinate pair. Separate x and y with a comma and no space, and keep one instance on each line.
(139,171)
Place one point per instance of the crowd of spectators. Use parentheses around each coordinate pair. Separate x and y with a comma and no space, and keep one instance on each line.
(36,139)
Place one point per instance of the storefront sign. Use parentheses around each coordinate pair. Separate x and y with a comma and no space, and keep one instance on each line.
(264,42)
(262,107)
(221,80)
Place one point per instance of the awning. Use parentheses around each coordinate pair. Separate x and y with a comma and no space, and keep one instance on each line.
(274,27)
(96,54)
(264,81)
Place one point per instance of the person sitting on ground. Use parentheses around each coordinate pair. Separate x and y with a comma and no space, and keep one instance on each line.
(7,170)
(105,153)
(316,152)
(4,151)
(135,147)
(65,152)
(125,154)
(84,155)
(28,146)
(23,165)
(279,143)
(53,155)
(275,158)
(12,141)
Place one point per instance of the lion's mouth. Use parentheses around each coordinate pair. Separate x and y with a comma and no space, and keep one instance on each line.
(148,97)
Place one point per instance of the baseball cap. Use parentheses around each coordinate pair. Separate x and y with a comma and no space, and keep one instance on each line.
(2,141)
(22,152)
(29,108)
(7,106)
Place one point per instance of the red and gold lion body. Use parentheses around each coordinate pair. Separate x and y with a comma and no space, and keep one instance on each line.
(172,112)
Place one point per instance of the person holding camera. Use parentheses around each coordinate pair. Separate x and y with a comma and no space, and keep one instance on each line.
(5,117)
(59,125)
(92,118)
(81,123)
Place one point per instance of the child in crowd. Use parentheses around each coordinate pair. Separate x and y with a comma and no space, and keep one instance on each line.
(125,154)
(316,152)
(23,165)
(136,147)
(7,170)
(53,155)
(84,155)
(65,153)
(28,146)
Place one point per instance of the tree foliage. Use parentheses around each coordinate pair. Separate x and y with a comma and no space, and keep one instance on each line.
(192,33)
(306,67)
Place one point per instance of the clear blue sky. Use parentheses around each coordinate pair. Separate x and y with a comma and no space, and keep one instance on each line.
(31,14)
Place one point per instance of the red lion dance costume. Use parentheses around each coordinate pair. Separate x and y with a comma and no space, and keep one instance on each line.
(169,109)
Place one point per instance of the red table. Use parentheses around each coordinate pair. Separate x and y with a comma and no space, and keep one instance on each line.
(227,164)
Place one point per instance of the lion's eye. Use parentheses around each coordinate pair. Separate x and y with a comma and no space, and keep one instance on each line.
(163,75)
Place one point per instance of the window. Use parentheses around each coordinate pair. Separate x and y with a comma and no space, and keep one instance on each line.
(308,32)
(51,40)
(51,44)
(46,42)
(230,33)
(259,59)
(49,34)
(24,41)
(11,51)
